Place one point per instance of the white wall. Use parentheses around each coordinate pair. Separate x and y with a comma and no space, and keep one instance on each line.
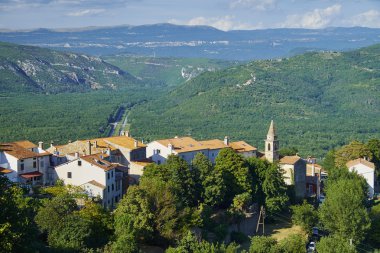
(368,174)
(151,152)
(81,174)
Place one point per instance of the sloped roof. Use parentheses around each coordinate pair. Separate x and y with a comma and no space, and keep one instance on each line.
(242,146)
(96,183)
(5,171)
(20,150)
(98,161)
(290,159)
(361,161)
(272,129)
(102,144)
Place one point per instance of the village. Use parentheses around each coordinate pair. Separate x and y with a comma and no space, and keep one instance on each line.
(105,167)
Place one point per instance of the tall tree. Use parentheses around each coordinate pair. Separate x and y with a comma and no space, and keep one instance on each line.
(235,174)
(17,229)
(351,151)
(343,213)
(374,147)
(305,216)
(268,184)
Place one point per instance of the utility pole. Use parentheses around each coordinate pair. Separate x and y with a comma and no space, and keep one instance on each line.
(261,219)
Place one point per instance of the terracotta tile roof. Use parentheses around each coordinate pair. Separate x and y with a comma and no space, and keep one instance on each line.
(102,144)
(362,161)
(5,171)
(98,161)
(290,159)
(143,163)
(242,146)
(31,174)
(188,144)
(96,183)
(20,152)
(25,144)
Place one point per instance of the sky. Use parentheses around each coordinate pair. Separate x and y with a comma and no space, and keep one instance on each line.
(221,14)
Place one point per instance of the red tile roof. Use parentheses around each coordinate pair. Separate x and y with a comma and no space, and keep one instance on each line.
(362,161)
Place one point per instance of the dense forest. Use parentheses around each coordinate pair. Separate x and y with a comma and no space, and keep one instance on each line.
(318,101)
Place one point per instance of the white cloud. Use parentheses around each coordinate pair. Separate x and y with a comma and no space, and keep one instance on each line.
(88,12)
(261,5)
(225,23)
(318,18)
(370,18)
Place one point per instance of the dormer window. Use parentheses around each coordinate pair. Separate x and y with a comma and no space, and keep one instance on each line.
(79,163)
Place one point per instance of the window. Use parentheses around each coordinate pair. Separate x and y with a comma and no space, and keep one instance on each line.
(108,175)
(158,162)
(69,175)
(22,166)
(42,164)
(108,188)
(79,163)
(34,158)
(158,151)
(111,173)
(34,164)
(268,146)
(113,188)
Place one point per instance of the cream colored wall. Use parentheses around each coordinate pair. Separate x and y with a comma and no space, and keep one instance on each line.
(368,174)
(288,170)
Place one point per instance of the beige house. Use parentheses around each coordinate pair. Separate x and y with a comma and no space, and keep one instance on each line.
(26,163)
(187,148)
(294,168)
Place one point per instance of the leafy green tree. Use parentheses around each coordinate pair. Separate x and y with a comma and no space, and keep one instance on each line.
(17,229)
(374,146)
(190,244)
(343,213)
(351,151)
(268,184)
(215,189)
(262,244)
(329,160)
(373,237)
(235,174)
(305,216)
(332,244)
(201,168)
(287,151)
(294,243)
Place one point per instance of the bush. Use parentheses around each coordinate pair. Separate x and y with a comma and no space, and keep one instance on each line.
(238,237)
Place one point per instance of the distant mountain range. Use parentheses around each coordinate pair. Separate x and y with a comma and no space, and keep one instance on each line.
(318,101)
(167,40)
(33,69)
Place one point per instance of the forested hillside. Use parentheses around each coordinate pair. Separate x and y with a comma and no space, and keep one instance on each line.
(318,101)
(33,69)
(166,71)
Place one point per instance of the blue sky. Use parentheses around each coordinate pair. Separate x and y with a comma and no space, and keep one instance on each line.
(222,14)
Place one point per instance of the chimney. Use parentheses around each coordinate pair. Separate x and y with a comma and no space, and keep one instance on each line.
(226,141)
(108,151)
(122,133)
(136,144)
(142,141)
(312,170)
(95,144)
(89,147)
(51,144)
(40,145)
(126,133)
(76,154)
(170,147)
(69,141)
(176,137)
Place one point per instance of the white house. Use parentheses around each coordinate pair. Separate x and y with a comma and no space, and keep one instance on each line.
(187,148)
(367,170)
(26,163)
(98,177)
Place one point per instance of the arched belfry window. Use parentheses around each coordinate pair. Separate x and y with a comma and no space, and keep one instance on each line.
(268,146)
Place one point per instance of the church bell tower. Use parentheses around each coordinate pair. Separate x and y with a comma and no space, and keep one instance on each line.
(272,144)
